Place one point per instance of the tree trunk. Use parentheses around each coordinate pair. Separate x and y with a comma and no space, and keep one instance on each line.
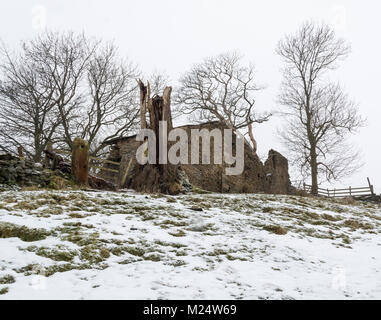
(314,173)
(167,116)
(169,172)
(143,104)
(160,177)
(251,135)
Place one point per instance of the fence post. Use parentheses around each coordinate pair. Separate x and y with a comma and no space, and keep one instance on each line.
(80,161)
(370,186)
(304,186)
(350,191)
(334,193)
(328,192)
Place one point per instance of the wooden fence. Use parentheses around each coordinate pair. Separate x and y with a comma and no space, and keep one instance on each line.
(94,161)
(341,193)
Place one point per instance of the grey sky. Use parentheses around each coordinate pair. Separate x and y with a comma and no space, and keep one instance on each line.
(171,35)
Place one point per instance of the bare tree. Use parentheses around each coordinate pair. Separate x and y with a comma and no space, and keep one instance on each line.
(112,109)
(27,118)
(220,88)
(319,114)
(64,85)
(62,58)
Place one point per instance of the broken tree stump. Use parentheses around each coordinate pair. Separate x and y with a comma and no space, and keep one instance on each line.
(159,176)
(80,161)
(144,96)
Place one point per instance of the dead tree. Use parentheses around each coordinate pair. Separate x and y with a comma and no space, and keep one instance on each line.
(158,177)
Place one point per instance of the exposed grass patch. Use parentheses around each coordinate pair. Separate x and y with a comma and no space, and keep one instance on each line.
(4,291)
(152,257)
(94,254)
(139,209)
(177,263)
(217,252)
(9,230)
(135,251)
(53,253)
(7,279)
(330,217)
(354,224)
(82,239)
(26,205)
(232,258)
(275,229)
(31,269)
(179,233)
(181,253)
(59,183)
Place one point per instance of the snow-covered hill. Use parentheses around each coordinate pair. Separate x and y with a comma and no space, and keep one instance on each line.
(92,245)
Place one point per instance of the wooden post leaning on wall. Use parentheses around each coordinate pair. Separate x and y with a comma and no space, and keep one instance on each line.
(124,169)
(80,161)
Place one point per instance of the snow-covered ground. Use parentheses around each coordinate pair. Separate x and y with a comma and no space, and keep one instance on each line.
(105,245)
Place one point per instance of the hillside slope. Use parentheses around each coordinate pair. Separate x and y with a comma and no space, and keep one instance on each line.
(87,245)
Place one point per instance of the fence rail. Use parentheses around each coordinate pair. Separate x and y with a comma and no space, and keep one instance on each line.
(93,159)
(342,193)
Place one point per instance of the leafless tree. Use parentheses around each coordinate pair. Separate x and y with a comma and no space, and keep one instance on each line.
(221,88)
(320,114)
(63,58)
(112,109)
(65,85)
(27,117)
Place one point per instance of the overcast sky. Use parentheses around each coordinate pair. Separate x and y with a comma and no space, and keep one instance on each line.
(172,35)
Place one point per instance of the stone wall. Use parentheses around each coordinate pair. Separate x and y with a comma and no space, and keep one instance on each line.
(22,172)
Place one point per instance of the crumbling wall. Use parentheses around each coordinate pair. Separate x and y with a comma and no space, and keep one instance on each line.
(212,177)
(277,179)
(271,177)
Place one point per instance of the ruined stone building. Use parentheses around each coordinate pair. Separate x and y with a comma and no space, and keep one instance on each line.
(269,177)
